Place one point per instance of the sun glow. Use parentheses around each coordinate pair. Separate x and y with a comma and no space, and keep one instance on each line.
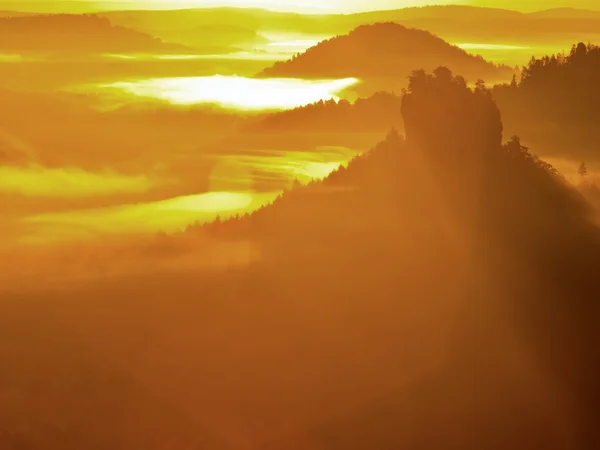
(236,92)
(481,46)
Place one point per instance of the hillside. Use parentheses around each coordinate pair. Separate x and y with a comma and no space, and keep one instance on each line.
(376,113)
(58,392)
(74,33)
(383,50)
(473,230)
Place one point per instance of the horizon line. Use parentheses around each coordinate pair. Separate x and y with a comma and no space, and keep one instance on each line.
(109,7)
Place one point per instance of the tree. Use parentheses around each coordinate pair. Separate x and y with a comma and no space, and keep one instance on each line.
(443,74)
(582,171)
(480,86)
(417,80)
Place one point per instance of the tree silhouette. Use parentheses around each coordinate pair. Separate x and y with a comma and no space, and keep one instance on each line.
(582,170)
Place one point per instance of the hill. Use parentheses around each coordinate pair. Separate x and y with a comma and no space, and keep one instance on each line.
(468,232)
(376,113)
(74,33)
(214,35)
(251,18)
(352,126)
(566,13)
(438,12)
(383,50)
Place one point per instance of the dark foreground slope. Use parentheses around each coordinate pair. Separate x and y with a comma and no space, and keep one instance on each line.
(57,393)
(384,50)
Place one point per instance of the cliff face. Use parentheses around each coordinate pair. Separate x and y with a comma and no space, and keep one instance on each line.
(528,245)
(441,112)
(455,129)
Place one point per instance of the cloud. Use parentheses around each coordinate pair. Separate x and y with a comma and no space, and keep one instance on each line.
(235,92)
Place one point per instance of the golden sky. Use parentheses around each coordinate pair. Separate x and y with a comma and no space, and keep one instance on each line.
(307,6)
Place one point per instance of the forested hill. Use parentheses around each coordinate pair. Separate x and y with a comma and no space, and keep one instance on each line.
(384,50)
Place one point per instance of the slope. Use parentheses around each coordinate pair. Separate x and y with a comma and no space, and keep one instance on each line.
(57,391)
(487,239)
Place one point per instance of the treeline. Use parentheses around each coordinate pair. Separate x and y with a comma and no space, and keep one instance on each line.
(560,87)
(380,112)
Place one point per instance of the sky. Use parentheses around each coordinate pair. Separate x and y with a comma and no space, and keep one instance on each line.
(304,6)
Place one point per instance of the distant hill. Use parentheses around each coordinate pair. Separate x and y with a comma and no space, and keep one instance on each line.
(316,126)
(213,35)
(449,12)
(566,13)
(376,113)
(74,33)
(455,23)
(383,50)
